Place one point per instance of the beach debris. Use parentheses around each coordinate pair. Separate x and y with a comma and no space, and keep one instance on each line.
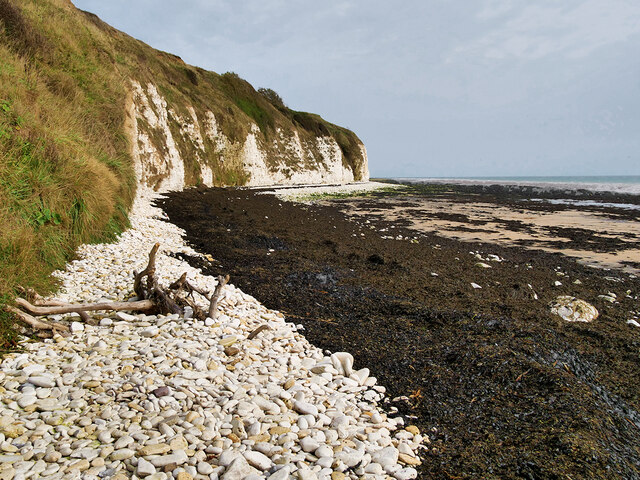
(35,323)
(475,285)
(633,323)
(178,298)
(490,257)
(573,309)
(609,297)
(257,331)
(613,279)
(557,283)
(483,265)
(213,305)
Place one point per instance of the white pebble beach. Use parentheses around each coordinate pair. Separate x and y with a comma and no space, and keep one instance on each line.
(157,397)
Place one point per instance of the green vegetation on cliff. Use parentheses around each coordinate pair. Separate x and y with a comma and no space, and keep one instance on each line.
(66,169)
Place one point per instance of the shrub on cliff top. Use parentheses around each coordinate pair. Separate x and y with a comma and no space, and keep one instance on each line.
(273,97)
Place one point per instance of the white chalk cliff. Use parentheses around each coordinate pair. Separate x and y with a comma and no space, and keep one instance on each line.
(172,150)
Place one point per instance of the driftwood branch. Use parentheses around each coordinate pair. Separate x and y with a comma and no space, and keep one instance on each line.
(150,273)
(160,299)
(151,299)
(257,331)
(141,305)
(163,302)
(180,283)
(34,322)
(213,305)
(32,296)
(183,284)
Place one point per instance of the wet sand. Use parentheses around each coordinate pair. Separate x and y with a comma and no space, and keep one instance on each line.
(605,241)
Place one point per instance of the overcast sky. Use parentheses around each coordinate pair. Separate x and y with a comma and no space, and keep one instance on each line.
(432,87)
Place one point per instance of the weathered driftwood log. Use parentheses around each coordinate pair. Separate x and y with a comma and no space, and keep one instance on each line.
(213,305)
(150,273)
(151,291)
(139,306)
(182,285)
(34,322)
(33,297)
(151,299)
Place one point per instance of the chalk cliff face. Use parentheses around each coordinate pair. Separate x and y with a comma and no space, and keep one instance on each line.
(171,150)
(185,125)
(89,114)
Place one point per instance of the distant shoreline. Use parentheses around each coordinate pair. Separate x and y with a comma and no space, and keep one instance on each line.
(619,184)
(545,178)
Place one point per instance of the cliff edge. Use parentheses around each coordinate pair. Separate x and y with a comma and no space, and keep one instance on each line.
(88,113)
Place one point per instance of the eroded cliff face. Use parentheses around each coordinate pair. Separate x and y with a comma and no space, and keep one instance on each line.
(172,150)
(77,136)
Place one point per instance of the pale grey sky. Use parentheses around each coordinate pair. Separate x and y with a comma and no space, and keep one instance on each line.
(432,87)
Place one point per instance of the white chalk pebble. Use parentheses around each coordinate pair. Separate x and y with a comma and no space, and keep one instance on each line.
(164,396)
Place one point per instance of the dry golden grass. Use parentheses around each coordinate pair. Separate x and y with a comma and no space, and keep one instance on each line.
(65,171)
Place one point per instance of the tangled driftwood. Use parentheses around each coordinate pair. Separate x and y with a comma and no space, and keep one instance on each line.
(151,299)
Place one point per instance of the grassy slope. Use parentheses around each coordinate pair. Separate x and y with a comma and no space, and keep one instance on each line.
(66,173)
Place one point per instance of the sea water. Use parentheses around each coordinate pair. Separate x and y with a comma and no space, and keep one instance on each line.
(625,184)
